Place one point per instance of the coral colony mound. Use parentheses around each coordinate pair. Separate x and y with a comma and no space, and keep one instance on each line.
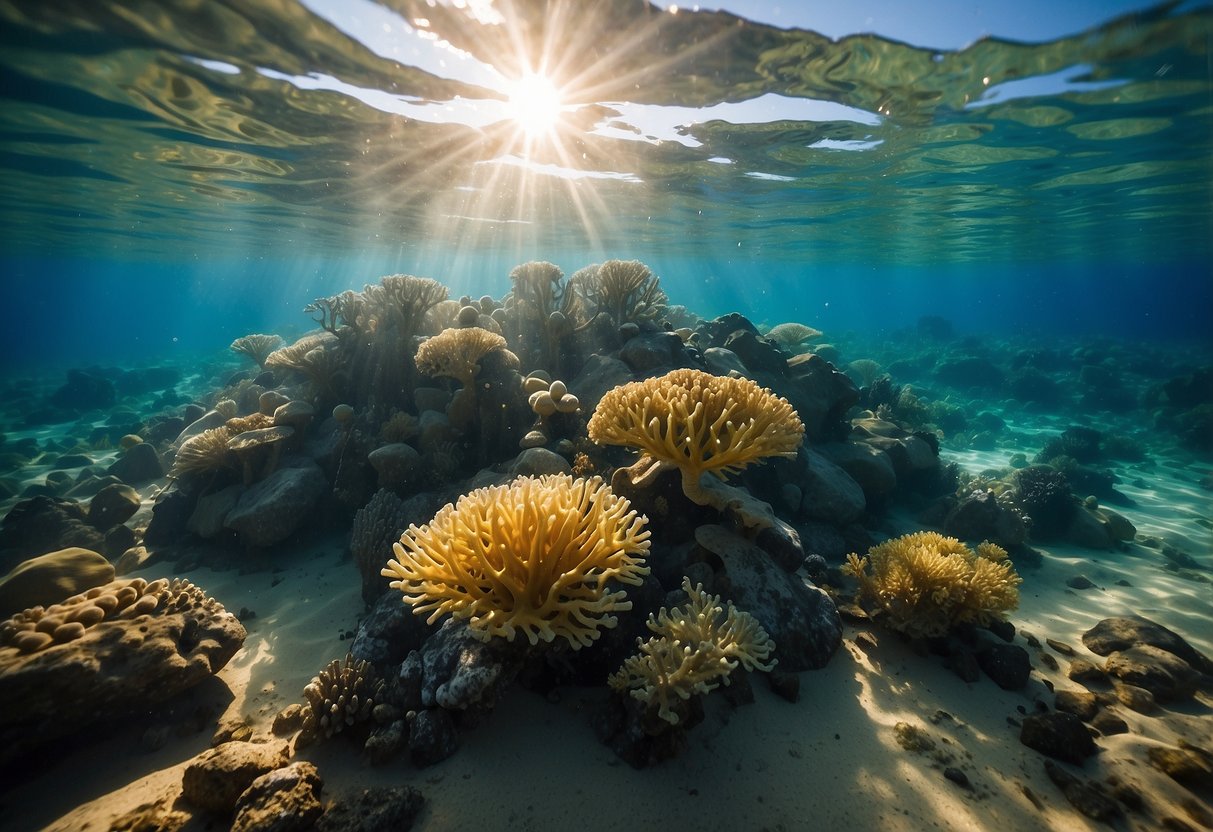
(280,595)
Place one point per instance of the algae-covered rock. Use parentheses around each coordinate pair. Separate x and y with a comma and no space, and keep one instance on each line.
(50,578)
(106,653)
(215,779)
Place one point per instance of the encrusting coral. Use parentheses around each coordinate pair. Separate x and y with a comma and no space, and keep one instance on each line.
(256,347)
(457,352)
(341,696)
(534,556)
(699,423)
(693,651)
(923,584)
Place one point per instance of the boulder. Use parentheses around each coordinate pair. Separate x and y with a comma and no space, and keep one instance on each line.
(1163,674)
(271,510)
(138,464)
(283,800)
(1123,632)
(44,524)
(49,578)
(828,492)
(868,466)
(112,505)
(216,778)
(377,809)
(122,648)
(1062,736)
(800,618)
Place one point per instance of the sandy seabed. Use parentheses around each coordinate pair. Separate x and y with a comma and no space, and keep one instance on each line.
(828,761)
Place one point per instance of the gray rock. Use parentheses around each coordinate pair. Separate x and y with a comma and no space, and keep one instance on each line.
(389,632)
(1087,796)
(653,351)
(432,737)
(1087,529)
(396,463)
(538,461)
(598,375)
(800,618)
(1163,674)
(137,465)
(722,362)
(821,395)
(1059,735)
(271,510)
(1007,665)
(1123,632)
(215,779)
(386,741)
(112,505)
(459,671)
(283,800)
(869,467)
(979,516)
(211,511)
(829,492)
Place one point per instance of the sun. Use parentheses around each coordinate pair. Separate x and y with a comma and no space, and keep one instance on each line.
(535,104)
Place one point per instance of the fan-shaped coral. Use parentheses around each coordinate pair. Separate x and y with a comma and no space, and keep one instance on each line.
(533,556)
(256,347)
(791,334)
(457,353)
(923,584)
(694,650)
(699,422)
(205,453)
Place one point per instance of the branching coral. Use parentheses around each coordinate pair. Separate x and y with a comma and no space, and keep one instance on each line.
(923,584)
(256,347)
(342,695)
(694,650)
(457,353)
(540,310)
(534,556)
(625,290)
(699,423)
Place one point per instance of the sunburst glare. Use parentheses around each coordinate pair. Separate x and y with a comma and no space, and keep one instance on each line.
(535,104)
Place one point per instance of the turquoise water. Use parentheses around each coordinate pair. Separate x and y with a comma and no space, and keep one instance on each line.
(181,174)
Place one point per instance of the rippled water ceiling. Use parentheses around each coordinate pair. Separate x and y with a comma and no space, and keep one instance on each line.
(362,124)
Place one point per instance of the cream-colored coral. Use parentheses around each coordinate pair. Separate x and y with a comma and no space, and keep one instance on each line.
(699,422)
(923,584)
(257,347)
(625,290)
(205,453)
(694,650)
(342,695)
(534,556)
(457,353)
(791,334)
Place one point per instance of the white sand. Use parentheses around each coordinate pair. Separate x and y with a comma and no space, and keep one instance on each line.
(829,761)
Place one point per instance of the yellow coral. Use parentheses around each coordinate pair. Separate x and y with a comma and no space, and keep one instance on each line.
(533,556)
(924,583)
(699,422)
(457,353)
(694,650)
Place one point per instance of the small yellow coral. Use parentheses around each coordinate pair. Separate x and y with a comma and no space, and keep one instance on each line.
(694,650)
(457,353)
(923,584)
(699,422)
(533,556)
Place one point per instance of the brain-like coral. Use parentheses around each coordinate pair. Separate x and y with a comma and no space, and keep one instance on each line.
(699,422)
(535,556)
(923,584)
(457,352)
(342,695)
(693,651)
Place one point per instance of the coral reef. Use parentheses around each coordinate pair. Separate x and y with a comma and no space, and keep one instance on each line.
(626,291)
(257,347)
(923,584)
(377,525)
(694,650)
(456,353)
(533,556)
(700,424)
(342,695)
